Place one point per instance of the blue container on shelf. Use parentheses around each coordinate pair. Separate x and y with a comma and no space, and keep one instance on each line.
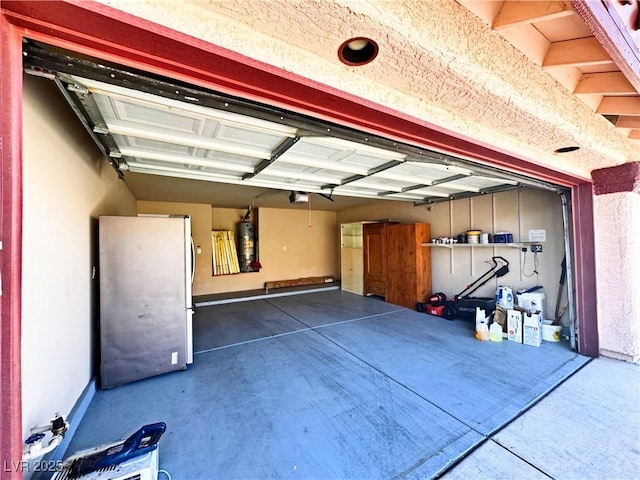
(503,237)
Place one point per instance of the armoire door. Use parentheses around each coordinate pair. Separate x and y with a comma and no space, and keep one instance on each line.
(375,258)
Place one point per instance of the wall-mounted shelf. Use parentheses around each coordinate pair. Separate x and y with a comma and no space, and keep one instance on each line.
(463,245)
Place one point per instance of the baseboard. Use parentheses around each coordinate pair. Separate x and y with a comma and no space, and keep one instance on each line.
(262,296)
(75,417)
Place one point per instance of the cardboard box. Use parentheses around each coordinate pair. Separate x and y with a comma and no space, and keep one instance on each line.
(532,329)
(514,326)
(535,302)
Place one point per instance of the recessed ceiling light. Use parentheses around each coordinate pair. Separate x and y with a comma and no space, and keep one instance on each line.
(566,149)
(358,51)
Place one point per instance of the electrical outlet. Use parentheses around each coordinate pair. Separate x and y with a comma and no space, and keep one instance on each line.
(536,248)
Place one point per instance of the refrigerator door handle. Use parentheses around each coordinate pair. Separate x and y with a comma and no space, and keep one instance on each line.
(193,261)
(190,310)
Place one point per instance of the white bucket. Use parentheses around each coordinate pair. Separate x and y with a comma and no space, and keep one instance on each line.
(551,333)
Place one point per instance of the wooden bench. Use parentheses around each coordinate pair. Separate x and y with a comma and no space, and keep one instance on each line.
(298,282)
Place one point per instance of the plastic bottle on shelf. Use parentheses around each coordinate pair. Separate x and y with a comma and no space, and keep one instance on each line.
(495,332)
(482,331)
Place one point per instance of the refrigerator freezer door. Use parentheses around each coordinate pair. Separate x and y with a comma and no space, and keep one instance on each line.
(143,291)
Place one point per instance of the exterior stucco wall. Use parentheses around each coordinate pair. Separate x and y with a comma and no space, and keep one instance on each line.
(617,234)
(441,65)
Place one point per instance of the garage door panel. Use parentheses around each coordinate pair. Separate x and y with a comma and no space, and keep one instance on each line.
(135,112)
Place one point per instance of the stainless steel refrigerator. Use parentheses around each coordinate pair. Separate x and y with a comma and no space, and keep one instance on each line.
(146,266)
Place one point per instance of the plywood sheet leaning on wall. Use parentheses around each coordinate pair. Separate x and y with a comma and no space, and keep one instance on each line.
(225,256)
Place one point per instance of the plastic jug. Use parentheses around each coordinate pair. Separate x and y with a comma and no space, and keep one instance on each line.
(504,297)
(482,331)
(495,332)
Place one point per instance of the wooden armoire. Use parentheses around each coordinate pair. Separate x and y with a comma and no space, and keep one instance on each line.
(374,242)
(396,266)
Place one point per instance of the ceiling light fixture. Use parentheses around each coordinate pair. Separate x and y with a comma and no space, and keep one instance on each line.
(358,51)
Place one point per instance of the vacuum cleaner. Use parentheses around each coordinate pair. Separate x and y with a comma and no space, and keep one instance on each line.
(463,305)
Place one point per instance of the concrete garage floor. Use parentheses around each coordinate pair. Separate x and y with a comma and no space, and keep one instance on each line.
(335,385)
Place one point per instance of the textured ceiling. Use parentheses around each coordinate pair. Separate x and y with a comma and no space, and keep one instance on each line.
(438,62)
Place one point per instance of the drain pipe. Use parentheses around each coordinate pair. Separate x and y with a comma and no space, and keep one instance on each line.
(34,448)
(570,287)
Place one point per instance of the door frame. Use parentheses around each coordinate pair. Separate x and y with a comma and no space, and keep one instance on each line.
(112,35)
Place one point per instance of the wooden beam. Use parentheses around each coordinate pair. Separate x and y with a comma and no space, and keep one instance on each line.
(634,134)
(609,83)
(628,122)
(612,34)
(298,282)
(576,53)
(619,106)
(515,13)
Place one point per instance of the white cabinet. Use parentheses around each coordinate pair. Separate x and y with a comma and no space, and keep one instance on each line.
(351,257)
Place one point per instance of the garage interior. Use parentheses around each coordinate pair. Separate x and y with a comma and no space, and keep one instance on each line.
(319,382)
(172,143)
(464,103)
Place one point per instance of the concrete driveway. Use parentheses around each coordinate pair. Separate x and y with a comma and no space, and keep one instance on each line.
(587,428)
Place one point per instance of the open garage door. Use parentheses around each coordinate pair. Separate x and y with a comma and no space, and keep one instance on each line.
(151,125)
(146,124)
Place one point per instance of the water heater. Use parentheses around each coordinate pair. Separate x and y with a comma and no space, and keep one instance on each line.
(246,246)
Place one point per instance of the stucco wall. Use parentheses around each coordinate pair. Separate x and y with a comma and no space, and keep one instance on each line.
(617,231)
(440,64)
(67,184)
